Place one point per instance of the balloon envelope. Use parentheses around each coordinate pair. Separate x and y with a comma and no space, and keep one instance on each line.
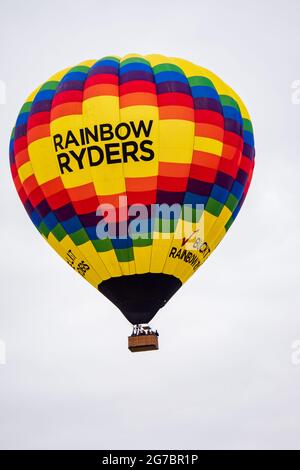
(133,169)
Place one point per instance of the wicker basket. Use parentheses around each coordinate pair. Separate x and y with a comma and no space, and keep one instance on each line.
(142,343)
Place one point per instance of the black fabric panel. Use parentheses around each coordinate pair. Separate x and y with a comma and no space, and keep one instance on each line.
(140,296)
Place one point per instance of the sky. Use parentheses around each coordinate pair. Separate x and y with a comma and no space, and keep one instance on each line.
(227,375)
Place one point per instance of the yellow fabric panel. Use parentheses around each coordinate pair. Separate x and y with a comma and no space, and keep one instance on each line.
(160,250)
(25,171)
(62,247)
(142,259)
(109,260)
(205,144)
(43,160)
(218,227)
(175,140)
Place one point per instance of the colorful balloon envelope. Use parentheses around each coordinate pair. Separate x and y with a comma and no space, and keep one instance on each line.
(133,169)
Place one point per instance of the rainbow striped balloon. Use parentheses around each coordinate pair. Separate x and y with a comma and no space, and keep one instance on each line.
(114,143)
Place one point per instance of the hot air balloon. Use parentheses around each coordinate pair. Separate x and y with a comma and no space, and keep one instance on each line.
(133,169)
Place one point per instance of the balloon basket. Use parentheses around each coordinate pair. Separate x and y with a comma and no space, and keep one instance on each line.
(139,343)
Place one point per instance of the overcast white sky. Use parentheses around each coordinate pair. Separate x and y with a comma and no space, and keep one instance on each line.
(223,377)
